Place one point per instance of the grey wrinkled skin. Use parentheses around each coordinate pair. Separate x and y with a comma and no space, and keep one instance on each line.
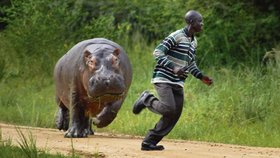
(91,81)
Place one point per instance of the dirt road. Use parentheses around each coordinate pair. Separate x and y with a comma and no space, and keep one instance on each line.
(121,146)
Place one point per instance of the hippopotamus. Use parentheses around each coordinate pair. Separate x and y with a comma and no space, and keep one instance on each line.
(92,80)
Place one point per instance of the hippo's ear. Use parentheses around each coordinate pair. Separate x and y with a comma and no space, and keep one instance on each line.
(87,55)
(89,60)
(116,52)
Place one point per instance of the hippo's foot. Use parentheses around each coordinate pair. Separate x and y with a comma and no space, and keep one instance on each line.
(90,131)
(62,119)
(107,115)
(95,121)
(75,132)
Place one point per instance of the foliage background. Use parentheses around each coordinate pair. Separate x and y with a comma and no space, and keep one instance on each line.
(242,107)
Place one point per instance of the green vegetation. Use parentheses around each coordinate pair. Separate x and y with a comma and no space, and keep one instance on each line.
(242,107)
(27,148)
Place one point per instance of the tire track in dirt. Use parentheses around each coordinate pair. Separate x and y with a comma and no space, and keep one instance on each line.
(123,146)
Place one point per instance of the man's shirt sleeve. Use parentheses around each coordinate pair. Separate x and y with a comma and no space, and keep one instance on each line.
(194,70)
(161,51)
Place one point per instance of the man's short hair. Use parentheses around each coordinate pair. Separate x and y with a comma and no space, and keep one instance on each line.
(191,15)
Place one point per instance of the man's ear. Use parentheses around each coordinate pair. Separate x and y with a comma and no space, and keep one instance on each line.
(116,52)
(191,21)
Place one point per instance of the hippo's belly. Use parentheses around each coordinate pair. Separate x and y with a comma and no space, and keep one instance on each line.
(95,105)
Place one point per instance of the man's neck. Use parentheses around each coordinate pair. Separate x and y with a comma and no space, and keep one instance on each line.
(189,32)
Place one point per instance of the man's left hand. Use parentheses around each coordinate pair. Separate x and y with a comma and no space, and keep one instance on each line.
(179,71)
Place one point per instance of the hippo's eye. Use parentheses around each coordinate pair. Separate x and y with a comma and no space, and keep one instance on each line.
(92,63)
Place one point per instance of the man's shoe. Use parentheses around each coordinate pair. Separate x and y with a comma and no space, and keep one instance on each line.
(149,147)
(139,104)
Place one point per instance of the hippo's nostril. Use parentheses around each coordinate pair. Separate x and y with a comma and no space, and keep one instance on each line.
(107,82)
(112,76)
(92,83)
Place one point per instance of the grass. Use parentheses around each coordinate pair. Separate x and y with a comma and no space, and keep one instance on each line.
(241,107)
(26,149)
(27,105)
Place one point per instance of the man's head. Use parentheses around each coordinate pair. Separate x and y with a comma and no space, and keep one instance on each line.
(194,20)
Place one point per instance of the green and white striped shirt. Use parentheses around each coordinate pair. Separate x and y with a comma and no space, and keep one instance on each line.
(175,50)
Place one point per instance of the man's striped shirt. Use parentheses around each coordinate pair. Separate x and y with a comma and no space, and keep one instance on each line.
(175,50)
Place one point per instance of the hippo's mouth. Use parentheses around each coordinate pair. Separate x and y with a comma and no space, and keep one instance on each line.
(107,94)
(107,97)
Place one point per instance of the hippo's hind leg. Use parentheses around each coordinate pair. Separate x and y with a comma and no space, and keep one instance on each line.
(108,114)
(62,116)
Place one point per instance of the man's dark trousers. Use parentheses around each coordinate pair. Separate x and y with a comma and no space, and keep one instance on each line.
(169,104)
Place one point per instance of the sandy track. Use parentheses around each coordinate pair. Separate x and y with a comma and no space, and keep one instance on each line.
(121,146)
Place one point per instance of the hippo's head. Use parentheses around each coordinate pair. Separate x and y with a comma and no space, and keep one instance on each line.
(103,74)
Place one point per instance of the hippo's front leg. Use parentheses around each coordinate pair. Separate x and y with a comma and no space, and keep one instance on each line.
(79,122)
(108,114)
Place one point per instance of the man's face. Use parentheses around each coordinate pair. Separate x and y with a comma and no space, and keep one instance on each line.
(197,23)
